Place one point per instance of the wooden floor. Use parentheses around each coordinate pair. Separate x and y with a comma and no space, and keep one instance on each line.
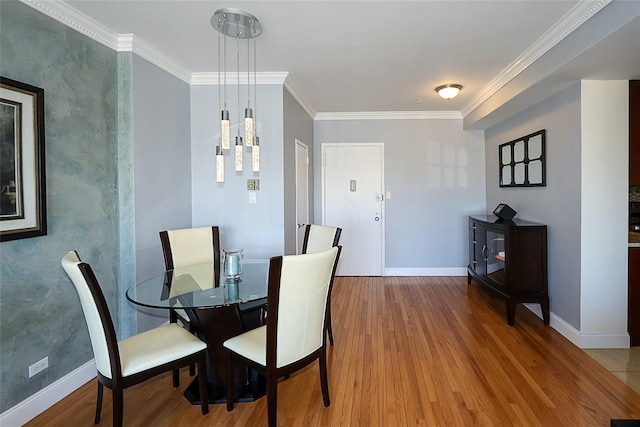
(409,351)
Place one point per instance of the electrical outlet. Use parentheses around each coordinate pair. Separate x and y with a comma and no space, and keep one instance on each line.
(39,366)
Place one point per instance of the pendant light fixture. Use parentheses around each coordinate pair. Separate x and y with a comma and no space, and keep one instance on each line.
(239,25)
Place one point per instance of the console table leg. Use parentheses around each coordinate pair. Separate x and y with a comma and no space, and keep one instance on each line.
(468,278)
(544,305)
(511,311)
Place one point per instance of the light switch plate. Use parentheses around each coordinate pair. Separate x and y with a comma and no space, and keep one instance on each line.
(252,197)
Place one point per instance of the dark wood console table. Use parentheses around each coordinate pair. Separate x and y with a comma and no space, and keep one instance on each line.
(510,259)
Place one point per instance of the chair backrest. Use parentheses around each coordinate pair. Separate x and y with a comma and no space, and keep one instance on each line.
(96,313)
(320,238)
(297,303)
(188,246)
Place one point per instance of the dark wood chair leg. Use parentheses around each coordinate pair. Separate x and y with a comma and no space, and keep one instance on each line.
(324,383)
(99,403)
(192,370)
(202,381)
(118,406)
(231,375)
(176,378)
(329,327)
(272,398)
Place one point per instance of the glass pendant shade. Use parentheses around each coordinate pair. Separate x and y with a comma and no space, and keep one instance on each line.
(255,155)
(248,126)
(219,165)
(224,130)
(239,154)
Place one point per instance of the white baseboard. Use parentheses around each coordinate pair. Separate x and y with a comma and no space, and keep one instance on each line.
(580,339)
(445,271)
(34,405)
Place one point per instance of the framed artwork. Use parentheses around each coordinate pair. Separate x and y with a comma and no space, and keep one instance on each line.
(23,210)
(522,161)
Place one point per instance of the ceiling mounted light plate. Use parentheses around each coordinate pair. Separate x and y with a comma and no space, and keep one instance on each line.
(449,91)
(239,24)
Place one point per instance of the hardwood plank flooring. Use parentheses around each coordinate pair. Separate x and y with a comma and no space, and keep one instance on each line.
(409,351)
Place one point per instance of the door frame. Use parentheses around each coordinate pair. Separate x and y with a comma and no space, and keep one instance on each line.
(382,190)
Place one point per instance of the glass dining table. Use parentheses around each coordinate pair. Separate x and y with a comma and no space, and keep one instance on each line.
(218,309)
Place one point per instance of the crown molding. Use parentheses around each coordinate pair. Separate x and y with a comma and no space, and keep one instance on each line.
(297,94)
(573,19)
(211,78)
(133,43)
(72,18)
(67,15)
(390,115)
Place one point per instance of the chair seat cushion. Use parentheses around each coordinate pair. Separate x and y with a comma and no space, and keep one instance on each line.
(157,347)
(251,344)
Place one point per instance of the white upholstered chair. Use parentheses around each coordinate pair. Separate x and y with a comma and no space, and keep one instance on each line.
(294,335)
(121,364)
(320,238)
(188,246)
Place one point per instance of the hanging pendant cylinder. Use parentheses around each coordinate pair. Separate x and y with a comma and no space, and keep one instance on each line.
(248,126)
(255,155)
(239,154)
(219,165)
(225,130)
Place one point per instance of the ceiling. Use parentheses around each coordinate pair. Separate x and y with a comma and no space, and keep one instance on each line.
(378,56)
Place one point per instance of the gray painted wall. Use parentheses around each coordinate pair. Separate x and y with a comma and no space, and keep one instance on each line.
(557,204)
(40,313)
(435,173)
(162,169)
(257,228)
(297,124)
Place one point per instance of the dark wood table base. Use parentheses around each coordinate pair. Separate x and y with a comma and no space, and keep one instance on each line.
(214,326)
(253,390)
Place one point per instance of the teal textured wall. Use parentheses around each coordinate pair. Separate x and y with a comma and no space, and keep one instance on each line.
(39,308)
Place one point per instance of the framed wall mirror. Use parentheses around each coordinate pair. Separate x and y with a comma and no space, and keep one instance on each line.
(522,161)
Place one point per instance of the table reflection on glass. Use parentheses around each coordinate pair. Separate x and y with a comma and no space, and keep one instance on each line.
(217,311)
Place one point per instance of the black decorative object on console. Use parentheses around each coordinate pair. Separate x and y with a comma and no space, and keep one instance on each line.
(504,211)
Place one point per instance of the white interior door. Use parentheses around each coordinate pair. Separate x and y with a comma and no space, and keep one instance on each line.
(352,178)
(302,191)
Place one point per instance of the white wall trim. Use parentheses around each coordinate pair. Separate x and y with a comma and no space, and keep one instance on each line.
(133,43)
(297,93)
(390,115)
(39,402)
(583,340)
(72,18)
(262,78)
(62,12)
(440,271)
(573,19)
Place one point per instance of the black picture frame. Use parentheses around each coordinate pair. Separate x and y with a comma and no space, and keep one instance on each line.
(522,161)
(23,211)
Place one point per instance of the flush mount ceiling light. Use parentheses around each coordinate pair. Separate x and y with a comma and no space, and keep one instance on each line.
(449,91)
